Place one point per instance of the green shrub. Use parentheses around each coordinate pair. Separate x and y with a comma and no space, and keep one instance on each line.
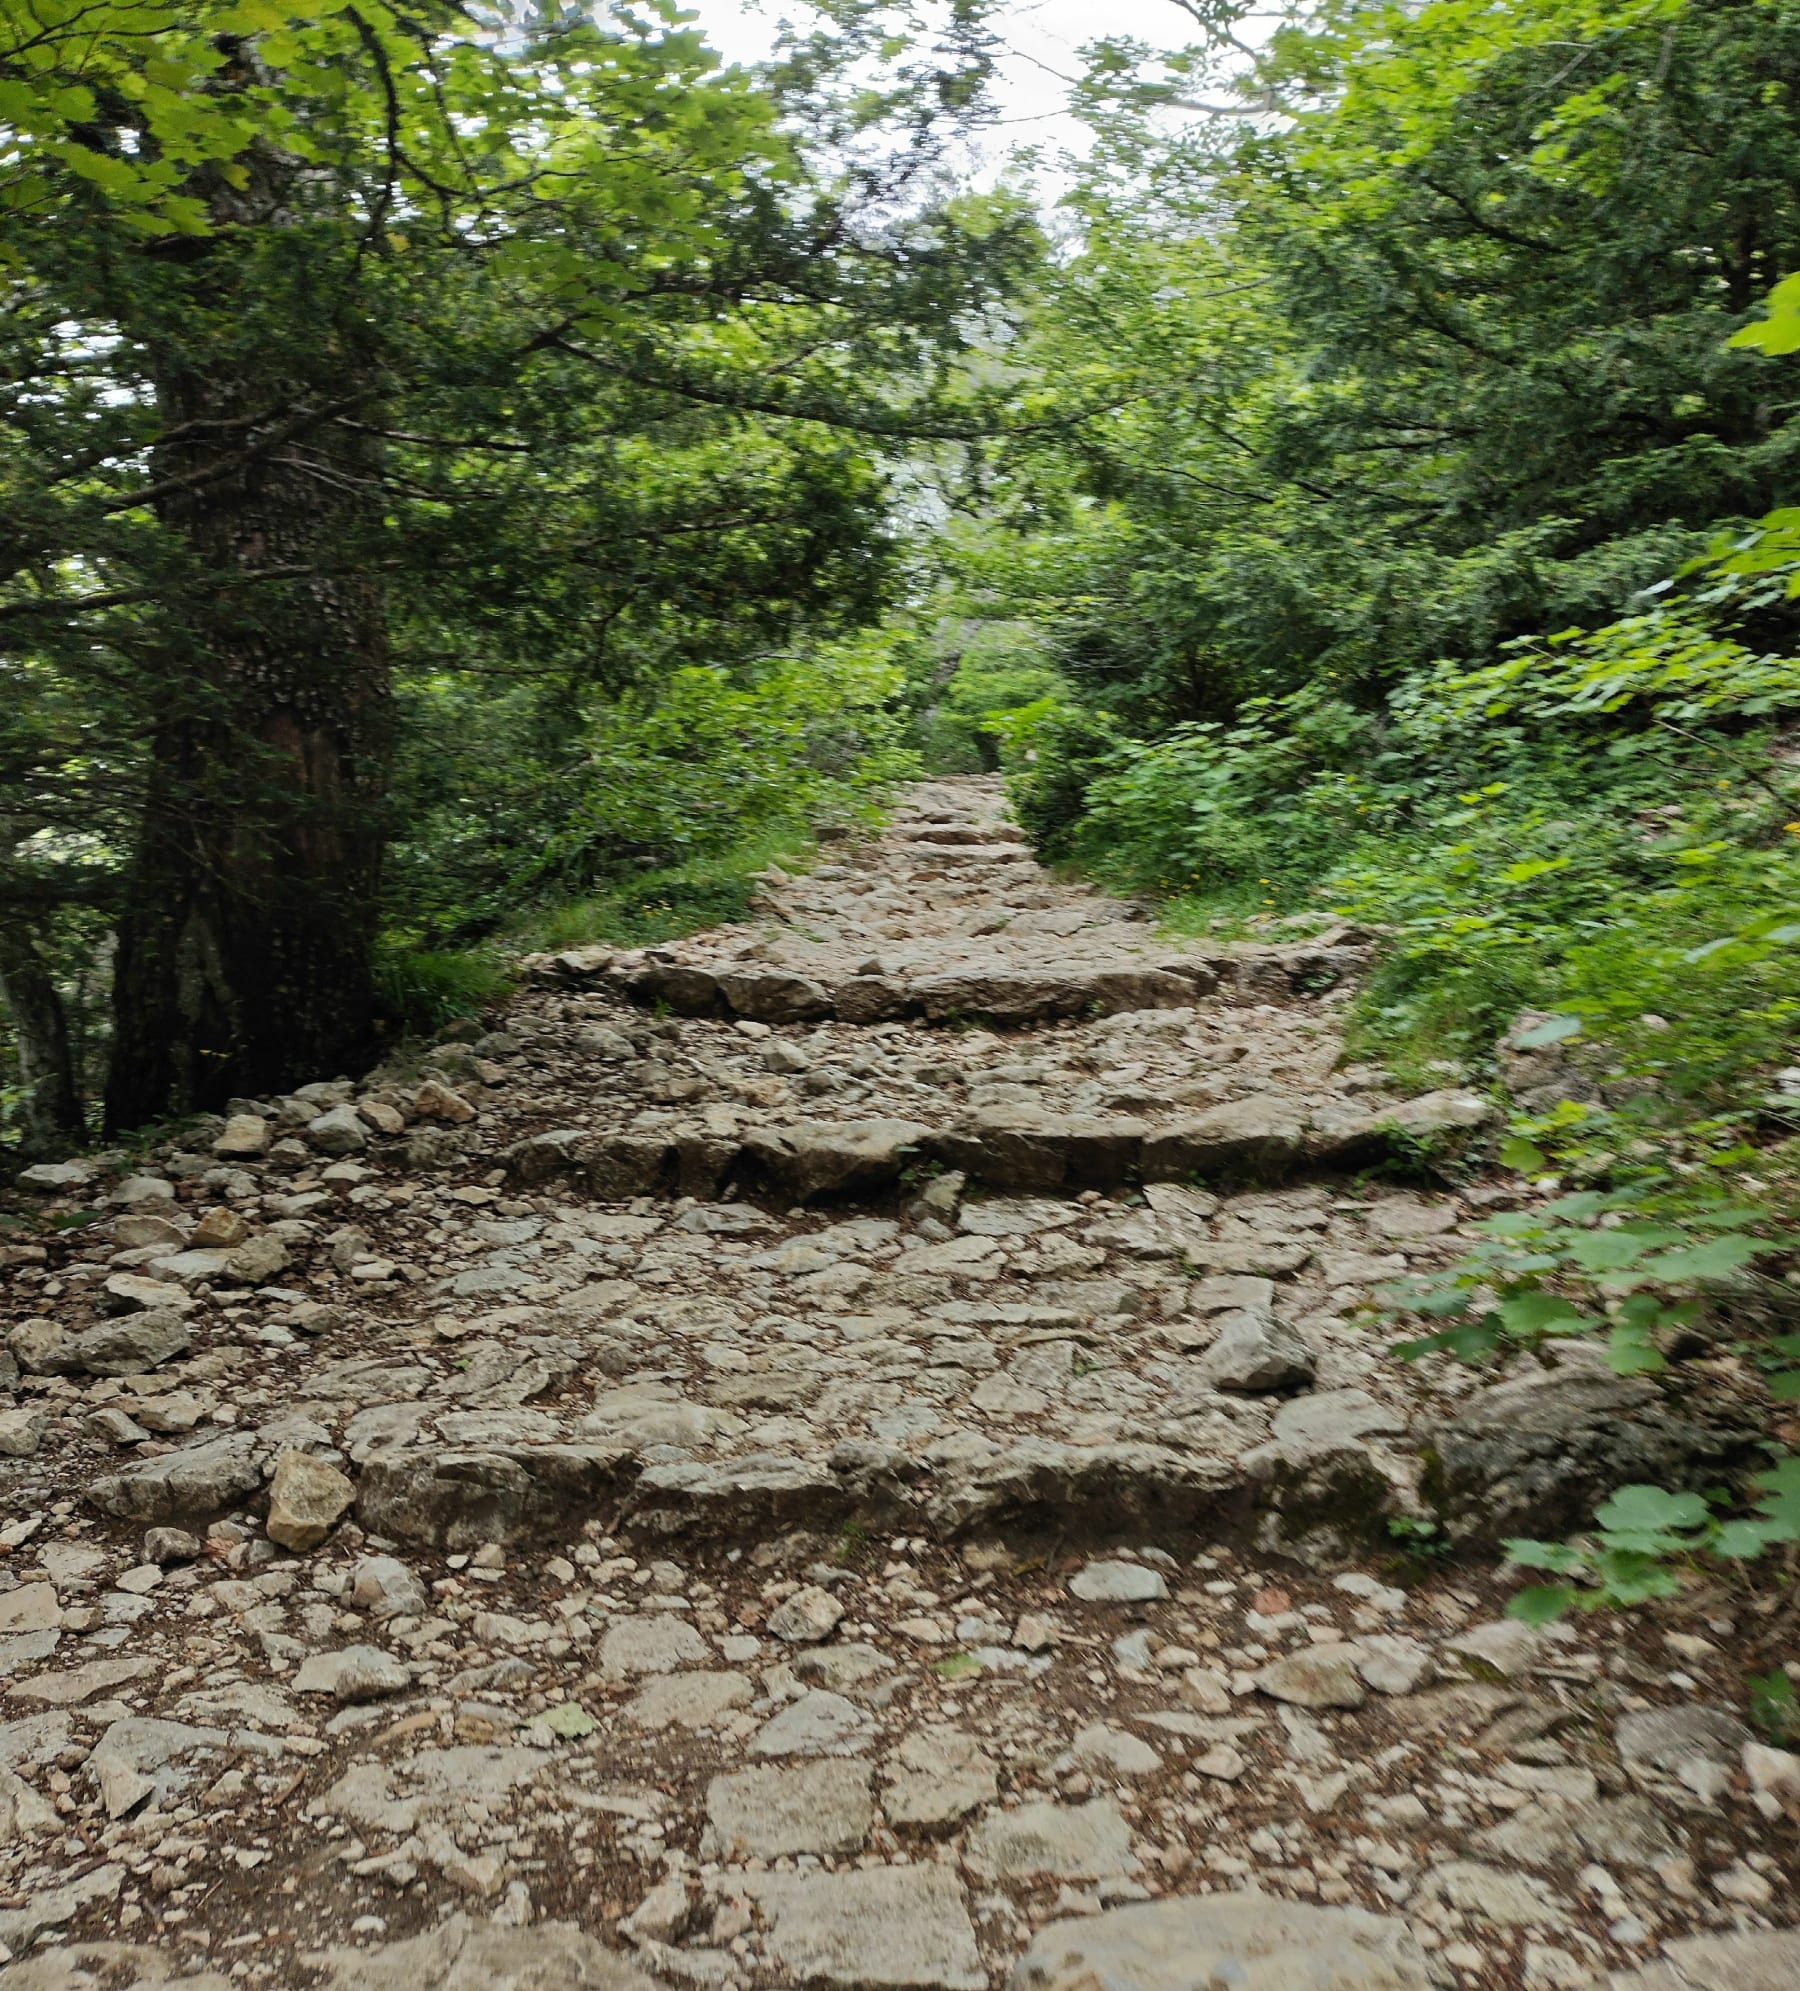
(422,989)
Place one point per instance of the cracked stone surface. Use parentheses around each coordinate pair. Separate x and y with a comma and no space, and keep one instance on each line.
(851,1450)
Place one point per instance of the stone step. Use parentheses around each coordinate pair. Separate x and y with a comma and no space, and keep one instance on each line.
(1265,1138)
(1317,1476)
(1003,992)
(1000,835)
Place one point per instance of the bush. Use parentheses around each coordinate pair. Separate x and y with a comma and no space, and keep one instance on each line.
(514,805)
(421,989)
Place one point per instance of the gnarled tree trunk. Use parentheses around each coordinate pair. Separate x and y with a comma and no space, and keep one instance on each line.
(246,950)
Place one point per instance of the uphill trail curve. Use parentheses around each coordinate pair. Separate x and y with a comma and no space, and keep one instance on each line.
(853,1451)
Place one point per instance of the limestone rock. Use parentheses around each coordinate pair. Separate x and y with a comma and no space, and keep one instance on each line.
(195,1483)
(820,1158)
(246,1137)
(51,1907)
(256,1261)
(1666,1739)
(383,1586)
(338,1132)
(22,1430)
(1501,1649)
(937,1776)
(219,1230)
(130,1347)
(56,1178)
(138,1758)
(637,1646)
(821,1807)
(1068,1841)
(1756,1960)
(1392,1664)
(1318,1676)
(687,1700)
(817,1724)
(461,1955)
(1536,1457)
(1263,1135)
(1256,1353)
(886,1929)
(436,1101)
(1118,1583)
(307,1499)
(808,1617)
(1251,1942)
(353,1673)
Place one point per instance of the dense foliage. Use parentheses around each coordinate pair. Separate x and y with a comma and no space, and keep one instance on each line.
(381,378)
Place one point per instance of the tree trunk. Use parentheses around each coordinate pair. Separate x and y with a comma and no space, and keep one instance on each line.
(50,1116)
(245,959)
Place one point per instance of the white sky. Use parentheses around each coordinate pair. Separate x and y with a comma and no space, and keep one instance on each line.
(1044,36)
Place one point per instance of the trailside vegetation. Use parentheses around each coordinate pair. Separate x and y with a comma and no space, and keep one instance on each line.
(389,395)
(1435,571)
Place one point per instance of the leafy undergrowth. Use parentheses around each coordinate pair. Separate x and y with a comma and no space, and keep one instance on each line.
(639,819)
(1583,865)
(667,902)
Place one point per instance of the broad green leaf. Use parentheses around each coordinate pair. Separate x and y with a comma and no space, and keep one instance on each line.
(1716,1258)
(1611,1251)
(1640,1508)
(1542,1603)
(1742,1541)
(1543,1313)
(1779,331)
(1559,1557)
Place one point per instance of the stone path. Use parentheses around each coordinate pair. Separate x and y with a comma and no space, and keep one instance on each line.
(850,1451)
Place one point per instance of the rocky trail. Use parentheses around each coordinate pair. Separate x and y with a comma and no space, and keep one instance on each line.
(849,1451)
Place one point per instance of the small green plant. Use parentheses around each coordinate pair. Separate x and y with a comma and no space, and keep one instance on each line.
(1635,1267)
(1774,1706)
(1418,1539)
(855,1544)
(1596,1262)
(1643,1538)
(424,989)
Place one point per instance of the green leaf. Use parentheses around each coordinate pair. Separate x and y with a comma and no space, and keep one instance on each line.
(1628,1353)
(1542,1603)
(1636,1575)
(1468,1341)
(1773,1704)
(1583,1204)
(1527,1314)
(1643,1509)
(1611,1251)
(957,1666)
(1779,332)
(1561,1557)
(1519,1153)
(1521,874)
(1716,1258)
(1743,1541)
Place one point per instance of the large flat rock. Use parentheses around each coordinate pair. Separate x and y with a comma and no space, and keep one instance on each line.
(1250,1942)
(887,1929)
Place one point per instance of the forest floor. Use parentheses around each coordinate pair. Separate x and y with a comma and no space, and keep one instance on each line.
(852,1450)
